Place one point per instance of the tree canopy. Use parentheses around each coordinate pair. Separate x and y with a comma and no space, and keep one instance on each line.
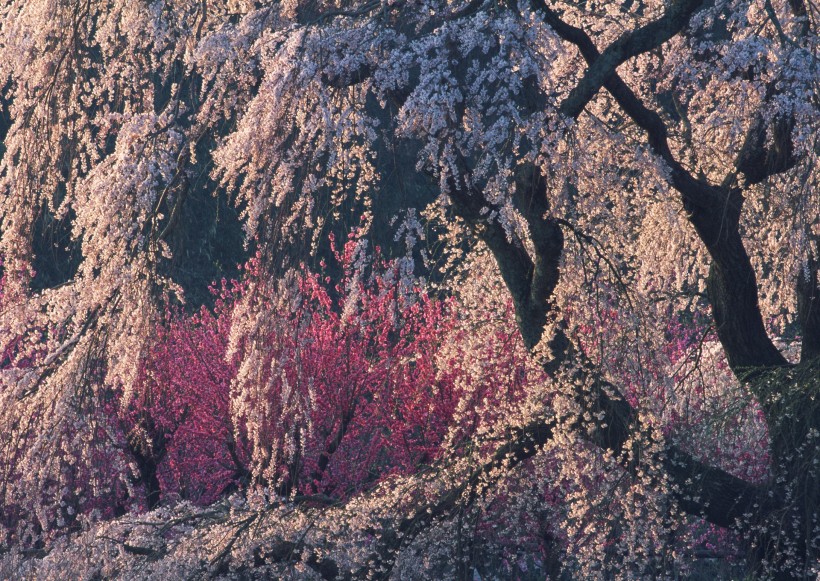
(545,271)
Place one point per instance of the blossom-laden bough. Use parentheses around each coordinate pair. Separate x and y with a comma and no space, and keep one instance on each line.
(628,167)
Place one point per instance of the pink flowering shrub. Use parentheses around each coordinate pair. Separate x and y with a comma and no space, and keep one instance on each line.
(350,387)
(179,423)
(357,387)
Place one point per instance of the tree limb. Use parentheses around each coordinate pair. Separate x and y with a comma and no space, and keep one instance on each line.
(714,211)
(808,310)
(636,42)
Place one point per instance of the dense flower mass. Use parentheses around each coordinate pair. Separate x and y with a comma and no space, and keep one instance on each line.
(350,389)
(363,382)
(516,289)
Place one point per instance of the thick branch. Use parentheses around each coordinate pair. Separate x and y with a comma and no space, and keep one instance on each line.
(722,498)
(713,211)
(700,490)
(547,238)
(757,160)
(291,552)
(518,269)
(808,310)
(629,45)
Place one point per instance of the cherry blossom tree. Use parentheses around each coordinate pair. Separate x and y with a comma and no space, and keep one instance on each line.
(638,178)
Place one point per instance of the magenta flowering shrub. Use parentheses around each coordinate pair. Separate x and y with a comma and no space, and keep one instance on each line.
(350,390)
(362,381)
(179,424)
